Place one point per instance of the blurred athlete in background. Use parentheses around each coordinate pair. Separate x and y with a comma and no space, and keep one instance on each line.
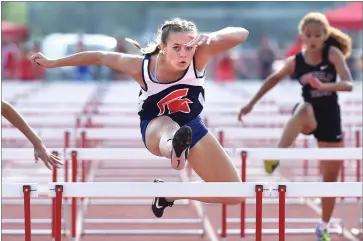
(316,68)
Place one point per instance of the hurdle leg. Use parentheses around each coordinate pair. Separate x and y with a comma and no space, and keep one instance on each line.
(203,217)
(83,179)
(282,206)
(27,217)
(224,222)
(358,173)
(54,179)
(58,212)
(259,194)
(224,206)
(306,162)
(66,166)
(74,200)
(243,204)
(341,201)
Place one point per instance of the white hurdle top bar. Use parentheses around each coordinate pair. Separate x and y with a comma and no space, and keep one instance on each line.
(152,189)
(254,153)
(16,189)
(304,153)
(23,153)
(189,189)
(207,189)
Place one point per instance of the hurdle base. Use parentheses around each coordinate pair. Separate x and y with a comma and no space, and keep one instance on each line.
(272,231)
(199,232)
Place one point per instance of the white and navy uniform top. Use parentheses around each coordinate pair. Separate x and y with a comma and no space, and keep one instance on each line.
(182,99)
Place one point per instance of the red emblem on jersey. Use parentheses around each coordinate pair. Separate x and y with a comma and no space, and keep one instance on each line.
(174,102)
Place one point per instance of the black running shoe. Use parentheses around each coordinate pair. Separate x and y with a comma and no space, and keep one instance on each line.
(160,203)
(181,144)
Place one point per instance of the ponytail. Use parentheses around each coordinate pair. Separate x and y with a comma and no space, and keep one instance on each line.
(151,48)
(339,40)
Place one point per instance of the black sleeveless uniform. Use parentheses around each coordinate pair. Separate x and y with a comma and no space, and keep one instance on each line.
(325,103)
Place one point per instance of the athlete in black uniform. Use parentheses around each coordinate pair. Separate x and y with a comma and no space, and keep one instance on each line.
(171,76)
(316,68)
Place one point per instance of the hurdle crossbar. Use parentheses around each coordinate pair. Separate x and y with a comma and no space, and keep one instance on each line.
(248,150)
(96,202)
(256,153)
(206,189)
(216,189)
(167,189)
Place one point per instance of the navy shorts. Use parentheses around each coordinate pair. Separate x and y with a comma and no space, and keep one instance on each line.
(199,130)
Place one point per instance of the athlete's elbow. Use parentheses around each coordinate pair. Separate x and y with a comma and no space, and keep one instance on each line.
(349,86)
(100,57)
(4,107)
(241,34)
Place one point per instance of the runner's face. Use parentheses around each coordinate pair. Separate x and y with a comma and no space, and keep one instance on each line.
(177,54)
(313,36)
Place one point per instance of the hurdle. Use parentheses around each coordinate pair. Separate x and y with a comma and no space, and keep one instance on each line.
(78,167)
(51,137)
(93,154)
(137,160)
(125,154)
(51,121)
(131,136)
(26,191)
(255,137)
(295,154)
(259,191)
(254,153)
(273,121)
(19,92)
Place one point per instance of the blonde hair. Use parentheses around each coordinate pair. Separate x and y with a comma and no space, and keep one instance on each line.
(335,38)
(172,25)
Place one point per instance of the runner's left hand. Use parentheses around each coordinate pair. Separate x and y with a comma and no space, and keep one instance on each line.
(313,81)
(200,39)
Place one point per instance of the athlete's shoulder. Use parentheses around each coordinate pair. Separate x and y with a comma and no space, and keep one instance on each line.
(335,54)
(291,58)
(290,62)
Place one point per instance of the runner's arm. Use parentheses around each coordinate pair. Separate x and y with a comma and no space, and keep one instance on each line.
(274,78)
(125,63)
(9,113)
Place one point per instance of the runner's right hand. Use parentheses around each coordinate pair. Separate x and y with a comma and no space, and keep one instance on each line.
(41,60)
(244,111)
